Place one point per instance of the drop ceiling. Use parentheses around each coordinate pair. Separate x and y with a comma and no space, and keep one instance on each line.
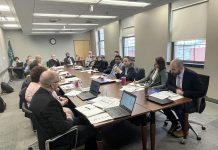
(31,24)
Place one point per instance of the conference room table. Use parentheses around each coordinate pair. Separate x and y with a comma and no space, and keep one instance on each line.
(141,108)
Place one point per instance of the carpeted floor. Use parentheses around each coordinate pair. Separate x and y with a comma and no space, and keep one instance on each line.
(16,131)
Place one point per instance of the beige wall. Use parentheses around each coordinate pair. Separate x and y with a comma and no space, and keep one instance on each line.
(24,45)
(151,36)
(3,59)
(111,38)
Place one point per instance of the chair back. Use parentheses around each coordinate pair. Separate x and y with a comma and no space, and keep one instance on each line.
(201,102)
(139,73)
(22,97)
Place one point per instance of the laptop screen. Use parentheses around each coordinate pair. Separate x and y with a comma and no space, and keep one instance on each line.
(94,86)
(128,100)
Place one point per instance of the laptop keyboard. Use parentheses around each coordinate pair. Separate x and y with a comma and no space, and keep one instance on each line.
(117,112)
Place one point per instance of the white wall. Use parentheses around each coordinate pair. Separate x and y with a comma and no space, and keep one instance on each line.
(3,59)
(24,45)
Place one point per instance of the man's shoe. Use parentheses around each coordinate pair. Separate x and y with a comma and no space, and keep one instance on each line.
(178,134)
(172,129)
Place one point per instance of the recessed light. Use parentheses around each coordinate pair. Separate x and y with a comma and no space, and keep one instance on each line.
(54,15)
(49,29)
(43,32)
(68,32)
(56,24)
(97,16)
(83,24)
(124,3)
(11,25)
(4,8)
(73,1)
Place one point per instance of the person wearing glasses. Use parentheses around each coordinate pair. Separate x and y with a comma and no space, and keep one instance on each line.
(51,117)
(35,85)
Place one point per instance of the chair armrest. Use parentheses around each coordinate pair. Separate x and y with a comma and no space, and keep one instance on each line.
(75,128)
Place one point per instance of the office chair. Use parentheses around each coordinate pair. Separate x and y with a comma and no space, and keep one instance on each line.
(28,115)
(46,143)
(199,107)
(140,73)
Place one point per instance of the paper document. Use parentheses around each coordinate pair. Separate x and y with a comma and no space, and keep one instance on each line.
(63,73)
(73,93)
(95,76)
(89,110)
(105,102)
(67,86)
(131,88)
(78,67)
(100,118)
(167,94)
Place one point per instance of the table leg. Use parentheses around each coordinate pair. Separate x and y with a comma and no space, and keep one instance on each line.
(144,132)
(152,132)
(99,141)
(186,125)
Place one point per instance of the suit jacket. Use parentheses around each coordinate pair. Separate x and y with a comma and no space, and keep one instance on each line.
(100,65)
(49,113)
(67,62)
(160,80)
(191,84)
(53,62)
(130,73)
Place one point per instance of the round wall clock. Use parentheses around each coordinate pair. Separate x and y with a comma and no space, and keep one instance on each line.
(53,41)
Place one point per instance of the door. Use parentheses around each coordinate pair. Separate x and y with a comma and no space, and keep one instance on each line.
(82,48)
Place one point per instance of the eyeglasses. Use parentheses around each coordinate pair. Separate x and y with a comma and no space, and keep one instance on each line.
(56,81)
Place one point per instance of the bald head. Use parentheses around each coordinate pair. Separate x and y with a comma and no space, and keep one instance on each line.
(176,66)
(47,78)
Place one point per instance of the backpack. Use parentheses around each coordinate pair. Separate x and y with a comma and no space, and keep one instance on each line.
(6,88)
(2,105)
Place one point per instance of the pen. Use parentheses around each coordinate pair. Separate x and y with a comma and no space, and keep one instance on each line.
(88,108)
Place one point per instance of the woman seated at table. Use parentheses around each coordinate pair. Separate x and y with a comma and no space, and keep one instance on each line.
(127,70)
(157,77)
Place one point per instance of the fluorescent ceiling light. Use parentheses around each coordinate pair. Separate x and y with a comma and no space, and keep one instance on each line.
(42,32)
(56,24)
(106,2)
(97,16)
(7,19)
(74,1)
(54,15)
(68,32)
(124,3)
(11,25)
(83,24)
(4,8)
(49,29)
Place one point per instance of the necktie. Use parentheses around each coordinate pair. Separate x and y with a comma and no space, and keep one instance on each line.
(178,83)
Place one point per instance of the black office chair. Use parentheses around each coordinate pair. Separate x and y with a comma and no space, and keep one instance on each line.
(46,143)
(199,107)
(139,73)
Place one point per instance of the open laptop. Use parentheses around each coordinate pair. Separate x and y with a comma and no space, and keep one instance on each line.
(92,93)
(125,108)
(19,64)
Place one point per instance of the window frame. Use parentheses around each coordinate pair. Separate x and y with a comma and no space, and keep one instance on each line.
(99,42)
(123,47)
(195,64)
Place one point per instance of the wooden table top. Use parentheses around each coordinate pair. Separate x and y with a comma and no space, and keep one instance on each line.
(142,105)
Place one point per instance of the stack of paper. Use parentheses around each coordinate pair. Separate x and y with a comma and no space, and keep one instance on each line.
(105,102)
(89,110)
(72,93)
(63,73)
(78,67)
(95,76)
(99,118)
(167,94)
(67,86)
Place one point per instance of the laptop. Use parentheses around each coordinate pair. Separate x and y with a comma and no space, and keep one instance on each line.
(19,64)
(92,93)
(125,108)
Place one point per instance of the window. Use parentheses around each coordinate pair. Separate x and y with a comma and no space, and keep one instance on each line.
(129,46)
(191,51)
(101,50)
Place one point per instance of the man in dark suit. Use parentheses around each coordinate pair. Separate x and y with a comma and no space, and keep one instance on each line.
(185,82)
(69,60)
(53,62)
(50,115)
(112,63)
